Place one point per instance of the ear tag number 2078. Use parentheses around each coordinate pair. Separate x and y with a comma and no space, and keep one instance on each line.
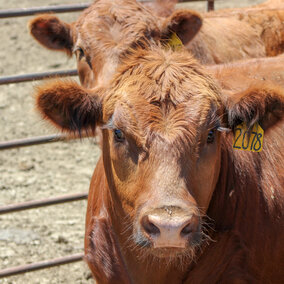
(248,141)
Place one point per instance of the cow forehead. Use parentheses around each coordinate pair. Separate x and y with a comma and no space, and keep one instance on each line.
(106,24)
(164,92)
(160,75)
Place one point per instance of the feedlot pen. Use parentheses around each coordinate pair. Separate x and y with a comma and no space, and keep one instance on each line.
(47,171)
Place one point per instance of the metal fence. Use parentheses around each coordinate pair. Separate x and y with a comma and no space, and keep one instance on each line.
(48,138)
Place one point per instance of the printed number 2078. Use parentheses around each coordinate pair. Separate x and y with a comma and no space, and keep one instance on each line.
(249,143)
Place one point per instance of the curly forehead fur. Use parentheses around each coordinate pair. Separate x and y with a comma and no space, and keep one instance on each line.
(165,91)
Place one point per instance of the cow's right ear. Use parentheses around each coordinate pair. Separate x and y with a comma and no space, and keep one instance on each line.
(185,23)
(52,33)
(69,106)
(262,103)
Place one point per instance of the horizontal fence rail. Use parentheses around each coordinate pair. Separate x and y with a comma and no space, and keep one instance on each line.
(47,9)
(41,203)
(37,76)
(9,13)
(32,141)
(40,265)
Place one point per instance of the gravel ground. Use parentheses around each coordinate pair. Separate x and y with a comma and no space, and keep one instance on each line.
(42,171)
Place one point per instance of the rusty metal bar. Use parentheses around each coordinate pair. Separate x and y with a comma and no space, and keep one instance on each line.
(32,141)
(41,203)
(57,9)
(46,9)
(37,76)
(210,5)
(40,265)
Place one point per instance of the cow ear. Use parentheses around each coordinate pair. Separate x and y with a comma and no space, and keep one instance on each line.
(185,23)
(263,103)
(52,33)
(69,106)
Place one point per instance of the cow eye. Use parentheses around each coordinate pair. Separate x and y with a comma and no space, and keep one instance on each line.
(118,135)
(80,52)
(211,136)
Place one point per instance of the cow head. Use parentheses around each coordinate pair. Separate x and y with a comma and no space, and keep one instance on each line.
(101,36)
(162,119)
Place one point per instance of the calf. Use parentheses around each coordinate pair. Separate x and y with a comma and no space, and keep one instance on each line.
(170,201)
(107,28)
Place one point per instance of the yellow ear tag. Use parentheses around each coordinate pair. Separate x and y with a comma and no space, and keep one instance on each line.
(174,42)
(244,141)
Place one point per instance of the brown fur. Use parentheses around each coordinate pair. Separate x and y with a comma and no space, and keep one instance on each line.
(260,33)
(162,8)
(52,33)
(165,103)
(80,115)
(239,75)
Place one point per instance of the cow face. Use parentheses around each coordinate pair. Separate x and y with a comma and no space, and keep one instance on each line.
(161,119)
(106,30)
(162,145)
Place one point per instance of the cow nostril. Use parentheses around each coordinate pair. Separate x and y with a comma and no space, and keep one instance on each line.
(149,227)
(186,230)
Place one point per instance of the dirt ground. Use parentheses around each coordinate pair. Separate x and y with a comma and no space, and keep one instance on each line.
(43,171)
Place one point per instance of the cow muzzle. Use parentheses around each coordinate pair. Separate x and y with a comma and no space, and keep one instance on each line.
(170,227)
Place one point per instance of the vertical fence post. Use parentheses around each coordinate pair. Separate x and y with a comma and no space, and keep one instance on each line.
(210,5)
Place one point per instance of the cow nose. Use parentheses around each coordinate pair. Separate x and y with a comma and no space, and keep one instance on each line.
(168,231)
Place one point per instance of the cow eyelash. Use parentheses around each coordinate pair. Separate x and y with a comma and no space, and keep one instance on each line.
(212,132)
(223,129)
(80,51)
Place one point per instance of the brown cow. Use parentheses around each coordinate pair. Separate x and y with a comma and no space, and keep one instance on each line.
(108,28)
(170,201)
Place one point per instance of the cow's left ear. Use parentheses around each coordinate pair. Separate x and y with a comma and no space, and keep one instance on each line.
(263,103)
(185,23)
(69,106)
(52,33)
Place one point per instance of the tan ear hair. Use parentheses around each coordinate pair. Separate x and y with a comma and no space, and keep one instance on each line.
(52,33)
(185,23)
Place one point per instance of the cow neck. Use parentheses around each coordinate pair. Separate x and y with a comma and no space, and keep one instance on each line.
(102,243)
